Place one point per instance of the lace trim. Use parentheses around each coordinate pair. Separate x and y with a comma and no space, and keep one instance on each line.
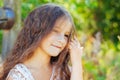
(21,72)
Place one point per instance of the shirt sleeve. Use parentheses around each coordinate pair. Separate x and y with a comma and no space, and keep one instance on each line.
(14,74)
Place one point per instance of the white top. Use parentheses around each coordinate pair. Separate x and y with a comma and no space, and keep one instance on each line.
(20,72)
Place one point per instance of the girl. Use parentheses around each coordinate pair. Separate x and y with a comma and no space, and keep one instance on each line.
(44,47)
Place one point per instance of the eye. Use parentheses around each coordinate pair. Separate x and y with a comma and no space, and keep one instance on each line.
(66,35)
(54,30)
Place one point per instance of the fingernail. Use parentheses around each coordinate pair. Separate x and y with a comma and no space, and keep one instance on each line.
(82,47)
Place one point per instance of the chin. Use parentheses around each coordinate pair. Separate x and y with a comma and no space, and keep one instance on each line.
(55,55)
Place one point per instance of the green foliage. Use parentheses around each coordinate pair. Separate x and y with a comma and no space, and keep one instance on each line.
(1,3)
(0,41)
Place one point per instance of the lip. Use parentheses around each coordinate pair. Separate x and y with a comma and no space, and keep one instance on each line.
(57,46)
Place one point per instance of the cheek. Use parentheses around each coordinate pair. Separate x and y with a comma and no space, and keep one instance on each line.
(52,38)
(66,43)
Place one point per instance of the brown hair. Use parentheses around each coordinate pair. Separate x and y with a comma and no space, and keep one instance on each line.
(37,25)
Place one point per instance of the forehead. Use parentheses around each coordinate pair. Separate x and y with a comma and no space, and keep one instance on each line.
(63,24)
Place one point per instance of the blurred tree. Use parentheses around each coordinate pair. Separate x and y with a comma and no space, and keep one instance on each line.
(9,36)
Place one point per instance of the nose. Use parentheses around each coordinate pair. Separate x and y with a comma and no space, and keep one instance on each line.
(61,39)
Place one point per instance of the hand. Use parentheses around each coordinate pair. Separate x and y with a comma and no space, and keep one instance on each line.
(76,51)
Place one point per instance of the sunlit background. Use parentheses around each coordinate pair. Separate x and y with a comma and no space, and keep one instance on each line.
(98,27)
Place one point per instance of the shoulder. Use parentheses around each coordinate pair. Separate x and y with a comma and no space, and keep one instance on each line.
(15,73)
(1,67)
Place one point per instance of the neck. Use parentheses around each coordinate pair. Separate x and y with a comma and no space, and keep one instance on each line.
(39,60)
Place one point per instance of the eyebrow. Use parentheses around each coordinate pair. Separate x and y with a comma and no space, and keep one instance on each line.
(57,27)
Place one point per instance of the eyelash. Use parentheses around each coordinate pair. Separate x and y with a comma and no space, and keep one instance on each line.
(55,30)
(66,35)
(58,31)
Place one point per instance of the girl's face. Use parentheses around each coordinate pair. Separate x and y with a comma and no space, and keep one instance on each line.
(57,39)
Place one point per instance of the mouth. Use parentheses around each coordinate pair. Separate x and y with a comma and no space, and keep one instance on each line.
(57,46)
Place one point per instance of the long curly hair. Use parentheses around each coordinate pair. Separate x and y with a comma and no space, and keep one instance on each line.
(37,25)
